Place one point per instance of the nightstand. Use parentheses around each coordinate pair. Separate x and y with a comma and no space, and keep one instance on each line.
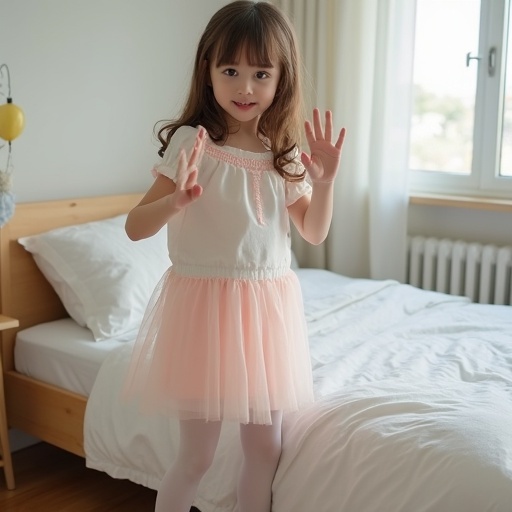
(6,461)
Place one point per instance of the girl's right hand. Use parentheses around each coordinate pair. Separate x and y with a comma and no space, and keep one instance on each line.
(165,197)
(187,188)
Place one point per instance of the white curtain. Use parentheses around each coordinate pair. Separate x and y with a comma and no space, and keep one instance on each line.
(358,60)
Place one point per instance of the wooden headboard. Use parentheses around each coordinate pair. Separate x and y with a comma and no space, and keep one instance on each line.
(24,292)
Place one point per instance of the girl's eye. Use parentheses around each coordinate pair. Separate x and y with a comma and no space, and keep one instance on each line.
(230,72)
(262,74)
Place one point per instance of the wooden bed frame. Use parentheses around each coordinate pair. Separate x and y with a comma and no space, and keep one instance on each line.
(47,412)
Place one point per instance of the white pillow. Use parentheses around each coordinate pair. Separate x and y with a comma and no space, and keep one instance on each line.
(103,279)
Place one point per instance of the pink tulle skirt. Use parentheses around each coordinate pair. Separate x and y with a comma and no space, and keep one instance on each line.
(222,349)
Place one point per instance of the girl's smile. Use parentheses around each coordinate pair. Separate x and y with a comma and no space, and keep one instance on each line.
(244,106)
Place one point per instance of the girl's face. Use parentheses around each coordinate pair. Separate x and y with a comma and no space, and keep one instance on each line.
(243,91)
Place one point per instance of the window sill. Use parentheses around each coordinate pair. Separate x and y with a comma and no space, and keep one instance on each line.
(472,203)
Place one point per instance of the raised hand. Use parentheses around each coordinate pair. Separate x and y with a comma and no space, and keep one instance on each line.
(323,162)
(187,188)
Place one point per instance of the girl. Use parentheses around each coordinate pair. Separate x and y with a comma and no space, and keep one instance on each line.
(224,337)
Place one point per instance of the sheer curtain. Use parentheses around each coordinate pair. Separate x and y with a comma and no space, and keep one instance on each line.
(358,63)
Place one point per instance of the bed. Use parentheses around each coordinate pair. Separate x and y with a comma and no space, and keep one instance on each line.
(413,407)
(48,412)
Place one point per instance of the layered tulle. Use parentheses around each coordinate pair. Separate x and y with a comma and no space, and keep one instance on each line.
(222,349)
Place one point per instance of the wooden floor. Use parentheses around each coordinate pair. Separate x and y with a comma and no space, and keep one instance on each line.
(52,480)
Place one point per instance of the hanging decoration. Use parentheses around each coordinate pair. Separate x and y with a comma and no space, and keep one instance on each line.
(6,195)
(12,122)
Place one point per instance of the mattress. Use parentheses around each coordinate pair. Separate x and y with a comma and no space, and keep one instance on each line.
(63,354)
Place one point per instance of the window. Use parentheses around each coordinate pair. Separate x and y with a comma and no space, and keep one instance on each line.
(461,126)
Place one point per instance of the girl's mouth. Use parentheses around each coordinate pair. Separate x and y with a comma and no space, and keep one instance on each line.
(244,106)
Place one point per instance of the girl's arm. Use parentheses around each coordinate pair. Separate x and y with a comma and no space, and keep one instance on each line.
(166,198)
(312,214)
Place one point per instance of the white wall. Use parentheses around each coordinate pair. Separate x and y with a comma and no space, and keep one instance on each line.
(93,77)
(483,226)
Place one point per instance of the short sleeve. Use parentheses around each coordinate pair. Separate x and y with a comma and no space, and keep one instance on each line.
(294,190)
(184,137)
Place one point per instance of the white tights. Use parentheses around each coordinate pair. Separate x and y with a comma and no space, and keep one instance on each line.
(261,446)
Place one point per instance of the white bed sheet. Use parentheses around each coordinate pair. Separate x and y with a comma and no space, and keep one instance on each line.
(413,410)
(63,354)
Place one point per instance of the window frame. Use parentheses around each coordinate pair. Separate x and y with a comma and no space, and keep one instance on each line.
(484,180)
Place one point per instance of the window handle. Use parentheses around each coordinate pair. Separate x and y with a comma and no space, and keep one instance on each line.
(470,57)
(491,61)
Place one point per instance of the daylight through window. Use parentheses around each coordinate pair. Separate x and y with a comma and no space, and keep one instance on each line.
(461,125)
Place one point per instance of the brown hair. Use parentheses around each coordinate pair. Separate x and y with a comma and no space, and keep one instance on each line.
(267,35)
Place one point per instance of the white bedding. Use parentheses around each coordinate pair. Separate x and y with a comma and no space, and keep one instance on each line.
(413,410)
(63,354)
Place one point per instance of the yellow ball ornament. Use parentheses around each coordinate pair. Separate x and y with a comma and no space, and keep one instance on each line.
(12,120)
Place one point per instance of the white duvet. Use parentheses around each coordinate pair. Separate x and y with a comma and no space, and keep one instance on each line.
(413,410)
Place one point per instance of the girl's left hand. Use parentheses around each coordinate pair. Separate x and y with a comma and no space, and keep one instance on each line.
(322,165)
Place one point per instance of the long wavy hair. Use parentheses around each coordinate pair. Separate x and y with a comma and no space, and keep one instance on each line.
(268,37)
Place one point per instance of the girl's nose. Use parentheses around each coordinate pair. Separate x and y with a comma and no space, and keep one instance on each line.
(244,87)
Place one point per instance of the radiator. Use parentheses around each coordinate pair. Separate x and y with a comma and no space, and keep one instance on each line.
(481,272)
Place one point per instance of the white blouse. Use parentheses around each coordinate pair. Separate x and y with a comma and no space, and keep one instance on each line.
(239,227)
